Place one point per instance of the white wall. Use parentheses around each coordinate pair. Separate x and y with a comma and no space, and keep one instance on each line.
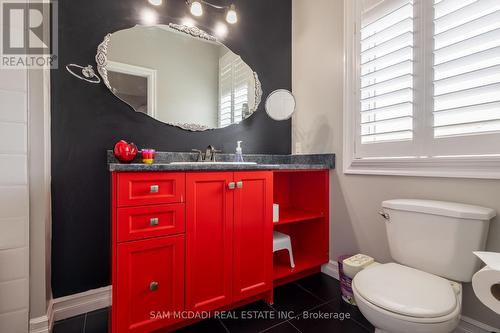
(317,126)
(14,202)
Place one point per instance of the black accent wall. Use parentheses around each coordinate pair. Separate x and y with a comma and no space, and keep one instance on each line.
(87,120)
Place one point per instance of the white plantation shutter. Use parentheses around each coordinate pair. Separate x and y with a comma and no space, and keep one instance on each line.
(234,86)
(225,94)
(241,76)
(467,75)
(386,74)
(425,78)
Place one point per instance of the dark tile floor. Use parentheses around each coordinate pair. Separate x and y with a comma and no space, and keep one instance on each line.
(306,303)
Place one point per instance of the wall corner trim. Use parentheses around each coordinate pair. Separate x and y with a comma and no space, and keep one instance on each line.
(44,323)
(466,325)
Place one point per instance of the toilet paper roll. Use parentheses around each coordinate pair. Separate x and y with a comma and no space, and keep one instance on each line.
(486,282)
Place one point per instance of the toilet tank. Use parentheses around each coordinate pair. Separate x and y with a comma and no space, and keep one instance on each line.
(437,237)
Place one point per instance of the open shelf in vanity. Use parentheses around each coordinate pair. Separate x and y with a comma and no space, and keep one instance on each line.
(303,198)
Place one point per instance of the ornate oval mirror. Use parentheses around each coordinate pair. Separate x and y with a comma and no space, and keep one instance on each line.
(179,75)
(280,104)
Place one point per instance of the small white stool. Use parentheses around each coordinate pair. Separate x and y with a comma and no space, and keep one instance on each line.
(283,242)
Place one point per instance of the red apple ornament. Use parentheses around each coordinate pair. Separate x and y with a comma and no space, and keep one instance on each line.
(125,152)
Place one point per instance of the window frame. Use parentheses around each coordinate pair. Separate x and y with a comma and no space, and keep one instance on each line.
(402,161)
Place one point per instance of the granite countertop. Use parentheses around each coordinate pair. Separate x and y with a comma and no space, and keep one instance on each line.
(264,162)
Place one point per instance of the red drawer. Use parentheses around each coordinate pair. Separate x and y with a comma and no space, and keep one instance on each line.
(150,221)
(150,188)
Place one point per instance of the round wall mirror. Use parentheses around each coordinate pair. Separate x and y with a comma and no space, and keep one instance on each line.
(280,104)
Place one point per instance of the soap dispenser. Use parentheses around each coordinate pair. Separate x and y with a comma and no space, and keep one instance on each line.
(239,153)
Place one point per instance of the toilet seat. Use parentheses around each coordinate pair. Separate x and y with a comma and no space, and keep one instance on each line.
(363,303)
(396,322)
(406,291)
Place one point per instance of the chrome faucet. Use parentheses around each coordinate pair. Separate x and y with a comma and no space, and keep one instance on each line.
(208,156)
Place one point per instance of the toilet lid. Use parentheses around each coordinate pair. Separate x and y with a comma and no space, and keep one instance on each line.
(406,291)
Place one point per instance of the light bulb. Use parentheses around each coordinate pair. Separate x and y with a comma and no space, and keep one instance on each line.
(149,17)
(231,16)
(155,2)
(221,30)
(196,8)
(188,22)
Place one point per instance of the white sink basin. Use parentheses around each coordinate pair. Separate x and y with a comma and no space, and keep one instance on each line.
(213,163)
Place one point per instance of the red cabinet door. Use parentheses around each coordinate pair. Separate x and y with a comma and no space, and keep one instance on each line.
(252,235)
(151,284)
(209,223)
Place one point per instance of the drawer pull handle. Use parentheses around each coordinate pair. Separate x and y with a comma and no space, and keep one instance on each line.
(154,189)
(154,221)
(231,185)
(239,184)
(153,286)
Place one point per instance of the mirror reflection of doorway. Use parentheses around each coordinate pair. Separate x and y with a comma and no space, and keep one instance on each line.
(134,84)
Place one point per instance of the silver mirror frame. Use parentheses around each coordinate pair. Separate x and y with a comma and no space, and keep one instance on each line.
(294,104)
(101,59)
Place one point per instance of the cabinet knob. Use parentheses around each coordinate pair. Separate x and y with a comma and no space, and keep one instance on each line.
(231,185)
(154,221)
(239,184)
(153,286)
(154,189)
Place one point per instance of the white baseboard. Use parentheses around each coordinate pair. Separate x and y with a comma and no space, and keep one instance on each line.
(70,306)
(76,304)
(331,269)
(466,325)
(469,325)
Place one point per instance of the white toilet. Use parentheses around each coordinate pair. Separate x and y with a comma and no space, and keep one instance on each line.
(432,241)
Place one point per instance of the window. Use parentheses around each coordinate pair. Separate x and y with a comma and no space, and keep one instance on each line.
(234,80)
(422,83)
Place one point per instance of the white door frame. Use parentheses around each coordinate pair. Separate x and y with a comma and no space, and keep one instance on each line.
(148,73)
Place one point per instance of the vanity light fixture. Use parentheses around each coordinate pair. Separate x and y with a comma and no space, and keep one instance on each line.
(196,8)
(156,2)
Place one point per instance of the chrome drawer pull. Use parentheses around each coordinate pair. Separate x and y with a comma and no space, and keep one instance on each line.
(153,286)
(239,184)
(154,189)
(231,185)
(154,221)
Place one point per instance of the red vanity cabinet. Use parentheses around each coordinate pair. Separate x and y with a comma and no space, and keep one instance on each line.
(202,241)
